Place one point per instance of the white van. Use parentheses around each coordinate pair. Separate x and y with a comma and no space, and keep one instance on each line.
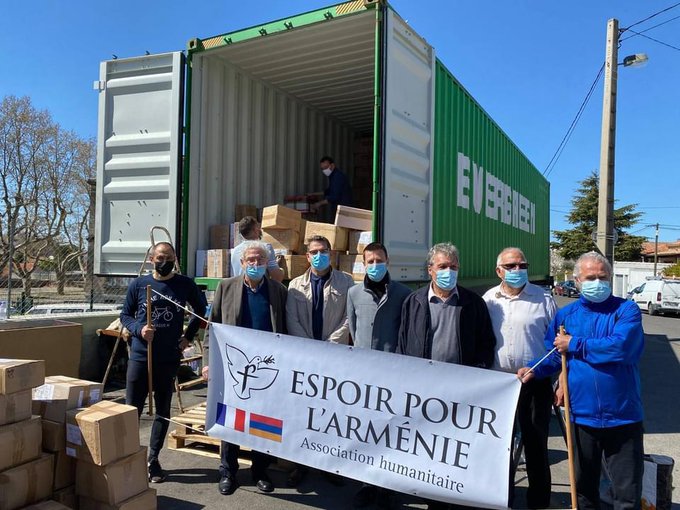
(658,296)
(71,308)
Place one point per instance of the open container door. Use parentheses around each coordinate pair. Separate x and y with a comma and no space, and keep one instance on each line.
(139,151)
(408,134)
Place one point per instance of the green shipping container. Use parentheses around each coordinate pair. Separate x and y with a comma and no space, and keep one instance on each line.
(244,117)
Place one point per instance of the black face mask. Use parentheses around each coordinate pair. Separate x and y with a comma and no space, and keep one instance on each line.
(164,268)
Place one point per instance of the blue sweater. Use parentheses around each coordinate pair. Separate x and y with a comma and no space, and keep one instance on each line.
(167,318)
(602,361)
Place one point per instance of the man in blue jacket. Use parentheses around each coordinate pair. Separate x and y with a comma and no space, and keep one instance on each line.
(168,341)
(603,341)
(338,192)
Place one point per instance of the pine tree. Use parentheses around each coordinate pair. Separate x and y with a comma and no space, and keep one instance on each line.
(574,242)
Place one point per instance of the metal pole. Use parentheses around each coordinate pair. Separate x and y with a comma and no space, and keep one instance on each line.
(92,183)
(605,206)
(656,247)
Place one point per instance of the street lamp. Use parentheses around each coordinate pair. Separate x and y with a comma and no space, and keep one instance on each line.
(605,207)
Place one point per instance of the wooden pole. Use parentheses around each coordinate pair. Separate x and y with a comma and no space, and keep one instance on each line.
(149,350)
(567,416)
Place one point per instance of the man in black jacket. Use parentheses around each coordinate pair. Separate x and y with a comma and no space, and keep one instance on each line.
(446,322)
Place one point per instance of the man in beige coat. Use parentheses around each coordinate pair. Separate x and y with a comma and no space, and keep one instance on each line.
(317,300)
(317,308)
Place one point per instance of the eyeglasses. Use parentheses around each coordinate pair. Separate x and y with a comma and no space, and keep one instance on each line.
(519,265)
(314,252)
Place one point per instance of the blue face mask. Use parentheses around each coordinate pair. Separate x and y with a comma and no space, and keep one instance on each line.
(255,272)
(595,290)
(321,261)
(376,272)
(446,279)
(516,278)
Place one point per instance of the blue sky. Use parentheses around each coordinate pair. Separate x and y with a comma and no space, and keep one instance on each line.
(528,62)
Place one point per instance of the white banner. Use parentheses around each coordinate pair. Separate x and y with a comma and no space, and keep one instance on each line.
(421,427)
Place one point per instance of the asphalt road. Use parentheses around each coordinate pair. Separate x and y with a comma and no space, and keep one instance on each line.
(192,479)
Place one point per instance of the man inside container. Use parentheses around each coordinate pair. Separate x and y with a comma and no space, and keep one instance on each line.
(250,230)
(167,337)
(521,313)
(446,322)
(374,316)
(317,308)
(250,300)
(338,191)
(603,341)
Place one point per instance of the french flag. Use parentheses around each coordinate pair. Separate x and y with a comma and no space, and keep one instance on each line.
(231,417)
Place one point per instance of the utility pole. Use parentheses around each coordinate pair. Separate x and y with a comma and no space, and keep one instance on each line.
(656,247)
(605,206)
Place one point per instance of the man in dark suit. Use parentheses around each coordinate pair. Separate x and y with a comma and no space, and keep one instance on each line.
(251,300)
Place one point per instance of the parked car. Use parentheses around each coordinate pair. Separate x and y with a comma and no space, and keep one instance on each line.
(567,289)
(71,308)
(658,296)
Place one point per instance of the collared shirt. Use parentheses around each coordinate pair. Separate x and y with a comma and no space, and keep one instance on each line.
(519,323)
(237,251)
(445,321)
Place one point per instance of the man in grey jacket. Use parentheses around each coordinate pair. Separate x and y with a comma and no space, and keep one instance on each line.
(374,315)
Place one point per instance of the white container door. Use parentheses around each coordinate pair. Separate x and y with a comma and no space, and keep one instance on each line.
(408,149)
(139,153)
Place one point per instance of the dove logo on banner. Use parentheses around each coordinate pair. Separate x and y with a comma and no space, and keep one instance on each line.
(250,373)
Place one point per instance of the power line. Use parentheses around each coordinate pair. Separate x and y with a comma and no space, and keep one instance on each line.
(650,17)
(656,40)
(648,29)
(567,136)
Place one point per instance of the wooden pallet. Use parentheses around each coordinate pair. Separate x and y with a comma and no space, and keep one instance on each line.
(189,435)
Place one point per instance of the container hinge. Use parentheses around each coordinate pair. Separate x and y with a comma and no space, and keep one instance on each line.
(227,40)
(99,85)
(263,31)
(328,15)
(288,25)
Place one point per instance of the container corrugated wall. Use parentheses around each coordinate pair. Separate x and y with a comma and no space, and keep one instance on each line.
(486,194)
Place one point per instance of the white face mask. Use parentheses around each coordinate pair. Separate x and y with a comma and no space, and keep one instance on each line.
(327,172)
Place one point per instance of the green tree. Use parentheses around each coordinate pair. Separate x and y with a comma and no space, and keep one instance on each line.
(574,242)
(673,270)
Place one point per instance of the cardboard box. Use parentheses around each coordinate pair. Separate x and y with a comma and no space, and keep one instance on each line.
(115,482)
(219,237)
(19,374)
(20,442)
(57,342)
(15,407)
(64,471)
(219,263)
(234,235)
(47,505)
(359,240)
(144,501)
(293,266)
(336,235)
(243,210)
(354,265)
(61,393)
(102,433)
(354,218)
(26,484)
(53,436)
(201,263)
(282,239)
(280,217)
(66,497)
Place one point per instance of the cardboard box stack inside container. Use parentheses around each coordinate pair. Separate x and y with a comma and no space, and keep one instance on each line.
(218,264)
(26,473)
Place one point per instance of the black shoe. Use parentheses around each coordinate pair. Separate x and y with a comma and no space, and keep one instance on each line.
(365,496)
(334,479)
(383,498)
(156,473)
(296,476)
(263,483)
(227,484)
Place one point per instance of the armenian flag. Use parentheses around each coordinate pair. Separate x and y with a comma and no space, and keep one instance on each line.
(265,427)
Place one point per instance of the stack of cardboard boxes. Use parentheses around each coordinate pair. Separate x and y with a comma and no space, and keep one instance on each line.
(111,469)
(51,401)
(26,473)
(284,228)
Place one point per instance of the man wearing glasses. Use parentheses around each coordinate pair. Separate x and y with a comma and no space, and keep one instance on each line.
(317,307)
(521,313)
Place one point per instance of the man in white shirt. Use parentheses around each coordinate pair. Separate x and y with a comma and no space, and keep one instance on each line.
(251,230)
(520,314)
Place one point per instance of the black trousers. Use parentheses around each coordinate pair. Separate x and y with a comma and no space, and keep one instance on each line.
(138,390)
(229,461)
(533,414)
(624,454)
